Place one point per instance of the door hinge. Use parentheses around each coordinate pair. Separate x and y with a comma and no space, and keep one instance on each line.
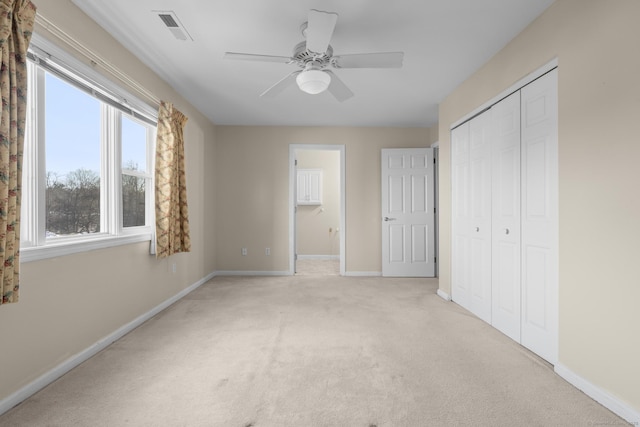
(296,162)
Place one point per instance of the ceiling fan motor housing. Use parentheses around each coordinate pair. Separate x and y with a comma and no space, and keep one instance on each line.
(302,56)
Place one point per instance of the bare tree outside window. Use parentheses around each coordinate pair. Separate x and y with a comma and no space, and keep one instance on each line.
(73,203)
(72,141)
(133,198)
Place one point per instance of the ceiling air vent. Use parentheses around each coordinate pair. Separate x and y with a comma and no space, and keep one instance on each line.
(174,25)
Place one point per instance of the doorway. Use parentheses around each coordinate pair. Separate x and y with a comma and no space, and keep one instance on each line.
(317,207)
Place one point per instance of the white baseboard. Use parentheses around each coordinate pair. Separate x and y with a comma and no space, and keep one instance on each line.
(320,257)
(442,294)
(251,273)
(601,396)
(55,373)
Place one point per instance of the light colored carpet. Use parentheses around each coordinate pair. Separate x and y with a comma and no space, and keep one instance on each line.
(317,267)
(312,351)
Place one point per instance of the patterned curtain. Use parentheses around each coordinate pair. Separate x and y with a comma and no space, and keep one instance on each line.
(16,24)
(172,213)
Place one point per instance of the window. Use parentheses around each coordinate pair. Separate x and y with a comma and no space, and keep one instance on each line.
(87,165)
(72,141)
(136,174)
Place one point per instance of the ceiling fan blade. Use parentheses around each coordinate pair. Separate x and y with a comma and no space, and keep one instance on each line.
(261,58)
(320,29)
(338,88)
(369,60)
(287,81)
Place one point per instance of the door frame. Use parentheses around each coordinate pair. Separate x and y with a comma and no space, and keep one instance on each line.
(293,148)
(436,195)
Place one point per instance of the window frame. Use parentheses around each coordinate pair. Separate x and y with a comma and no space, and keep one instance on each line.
(148,176)
(116,103)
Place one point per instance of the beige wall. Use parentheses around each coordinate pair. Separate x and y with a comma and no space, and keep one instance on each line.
(596,43)
(252,171)
(69,303)
(317,227)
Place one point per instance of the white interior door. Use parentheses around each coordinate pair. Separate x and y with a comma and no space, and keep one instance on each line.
(460,217)
(540,216)
(408,213)
(480,206)
(505,213)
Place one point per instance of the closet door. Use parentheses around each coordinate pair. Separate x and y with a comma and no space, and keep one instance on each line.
(505,212)
(460,217)
(480,200)
(540,216)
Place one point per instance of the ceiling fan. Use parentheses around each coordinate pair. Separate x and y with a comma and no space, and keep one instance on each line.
(314,55)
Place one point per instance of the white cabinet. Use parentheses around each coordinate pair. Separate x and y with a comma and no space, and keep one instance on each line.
(504,265)
(309,187)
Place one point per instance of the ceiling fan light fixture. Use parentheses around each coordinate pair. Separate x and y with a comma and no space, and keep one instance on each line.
(313,81)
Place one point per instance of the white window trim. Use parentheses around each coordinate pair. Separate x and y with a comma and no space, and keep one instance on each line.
(34,232)
(62,248)
(149,175)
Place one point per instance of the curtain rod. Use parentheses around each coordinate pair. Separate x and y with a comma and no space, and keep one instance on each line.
(94,58)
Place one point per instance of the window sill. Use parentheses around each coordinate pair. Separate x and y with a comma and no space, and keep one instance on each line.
(69,247)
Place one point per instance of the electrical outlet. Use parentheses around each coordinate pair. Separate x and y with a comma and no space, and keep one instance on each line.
(267,251)
(244,251)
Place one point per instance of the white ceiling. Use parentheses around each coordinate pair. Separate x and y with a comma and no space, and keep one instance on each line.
(444,42)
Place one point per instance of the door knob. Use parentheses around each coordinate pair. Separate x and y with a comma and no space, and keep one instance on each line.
(506,231)
(477,229)
(386,218)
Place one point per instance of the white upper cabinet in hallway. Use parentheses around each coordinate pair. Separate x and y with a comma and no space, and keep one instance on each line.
(309,187)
